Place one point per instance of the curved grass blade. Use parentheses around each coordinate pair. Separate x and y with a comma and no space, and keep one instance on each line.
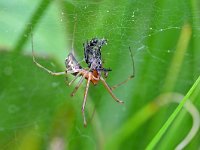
(164,128)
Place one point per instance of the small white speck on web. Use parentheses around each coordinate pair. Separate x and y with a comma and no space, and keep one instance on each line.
(133,16)
(62,14)
(107,11)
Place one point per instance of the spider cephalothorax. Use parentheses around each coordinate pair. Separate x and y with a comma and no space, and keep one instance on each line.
(72,65)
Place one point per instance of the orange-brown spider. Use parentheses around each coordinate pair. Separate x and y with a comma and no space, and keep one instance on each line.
(93,74)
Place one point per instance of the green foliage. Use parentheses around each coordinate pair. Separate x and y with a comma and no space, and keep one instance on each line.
(36,109)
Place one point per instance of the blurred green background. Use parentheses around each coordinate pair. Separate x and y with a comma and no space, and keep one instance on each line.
(36,109)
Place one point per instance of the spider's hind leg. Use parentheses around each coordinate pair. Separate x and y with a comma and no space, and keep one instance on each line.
(130,77)
(121,83)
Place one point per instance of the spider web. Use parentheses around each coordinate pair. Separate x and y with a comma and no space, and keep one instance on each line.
(138,26)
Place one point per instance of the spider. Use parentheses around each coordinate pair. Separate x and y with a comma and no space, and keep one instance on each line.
(93,74)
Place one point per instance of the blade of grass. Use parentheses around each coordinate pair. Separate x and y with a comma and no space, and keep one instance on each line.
(195,41)
(164,128)
(37,15)
(178,58)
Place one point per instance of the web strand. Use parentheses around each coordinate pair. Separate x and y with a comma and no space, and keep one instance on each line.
(73,36)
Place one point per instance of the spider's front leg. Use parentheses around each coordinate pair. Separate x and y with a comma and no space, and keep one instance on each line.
(39,65)
(47,70)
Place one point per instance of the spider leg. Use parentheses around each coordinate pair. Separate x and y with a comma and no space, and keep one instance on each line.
(42,67)
(110,91)
(130,77)
(85,99)
(121,83)
(49,71)
(78,85)
(72,81)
